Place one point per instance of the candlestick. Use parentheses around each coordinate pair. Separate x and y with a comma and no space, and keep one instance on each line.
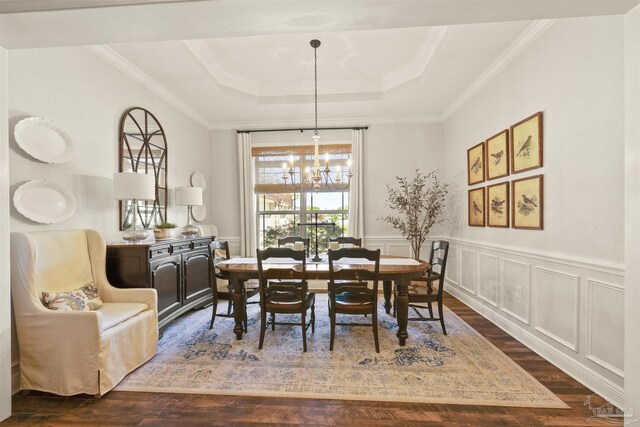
(326,160)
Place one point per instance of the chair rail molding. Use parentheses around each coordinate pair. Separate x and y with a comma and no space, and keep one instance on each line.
(567,309)
(612,268)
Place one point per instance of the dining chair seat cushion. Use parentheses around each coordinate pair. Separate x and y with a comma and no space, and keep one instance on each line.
(288,298)
(115,313)
(353,299)
(420,292)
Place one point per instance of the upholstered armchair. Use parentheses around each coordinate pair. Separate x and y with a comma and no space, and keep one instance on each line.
(73,352)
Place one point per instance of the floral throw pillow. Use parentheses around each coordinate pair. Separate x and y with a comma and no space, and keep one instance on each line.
(86,298)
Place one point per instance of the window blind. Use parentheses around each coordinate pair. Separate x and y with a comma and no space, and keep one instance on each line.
(268,163)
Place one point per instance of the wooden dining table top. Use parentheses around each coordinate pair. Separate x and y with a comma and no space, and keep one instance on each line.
(320,269)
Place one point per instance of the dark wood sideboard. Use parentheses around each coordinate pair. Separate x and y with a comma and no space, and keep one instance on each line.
(180,270)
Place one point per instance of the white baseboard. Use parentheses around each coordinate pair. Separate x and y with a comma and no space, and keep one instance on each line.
(590,379)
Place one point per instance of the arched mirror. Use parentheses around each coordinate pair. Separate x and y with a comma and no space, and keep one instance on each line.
(143,149)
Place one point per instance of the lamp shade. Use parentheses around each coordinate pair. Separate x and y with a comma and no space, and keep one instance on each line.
(188,196)
(131,185)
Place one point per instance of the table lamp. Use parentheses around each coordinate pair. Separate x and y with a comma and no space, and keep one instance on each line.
(188,196)
(134,186)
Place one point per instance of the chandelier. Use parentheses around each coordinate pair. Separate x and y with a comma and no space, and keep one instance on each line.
(316,177)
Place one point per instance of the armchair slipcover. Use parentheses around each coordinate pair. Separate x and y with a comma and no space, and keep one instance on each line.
(73,352)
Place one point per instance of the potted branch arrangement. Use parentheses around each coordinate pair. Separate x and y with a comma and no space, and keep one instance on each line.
(164,231)
(419,206)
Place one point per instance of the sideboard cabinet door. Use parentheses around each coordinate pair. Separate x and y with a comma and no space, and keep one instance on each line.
(165,279)
(196,275)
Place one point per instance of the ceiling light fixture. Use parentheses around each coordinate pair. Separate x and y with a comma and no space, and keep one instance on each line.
(316,178)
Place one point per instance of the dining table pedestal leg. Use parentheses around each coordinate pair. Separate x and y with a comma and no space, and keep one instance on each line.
(238,307)
(402,309)
(386,290)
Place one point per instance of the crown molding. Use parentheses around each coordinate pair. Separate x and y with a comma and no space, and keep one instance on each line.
(415,68)
(527,37)
(121,63)
(202,53)
(347,121)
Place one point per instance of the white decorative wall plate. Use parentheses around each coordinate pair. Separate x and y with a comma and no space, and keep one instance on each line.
(44,140)
(199,213)
(44,202)
(198,180)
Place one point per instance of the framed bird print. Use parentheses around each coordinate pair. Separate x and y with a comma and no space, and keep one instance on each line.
(526,144)
(475,164)
(498,205)
(527,203)
(476,207)
(497,160)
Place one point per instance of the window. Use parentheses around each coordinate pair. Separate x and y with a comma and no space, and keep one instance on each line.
(280,211)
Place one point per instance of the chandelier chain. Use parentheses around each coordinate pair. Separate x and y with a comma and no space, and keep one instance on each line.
(315,74)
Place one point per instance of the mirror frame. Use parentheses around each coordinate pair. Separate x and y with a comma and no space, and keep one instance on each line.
(158,206)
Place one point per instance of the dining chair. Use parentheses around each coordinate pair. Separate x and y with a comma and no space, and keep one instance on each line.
(354,241)
(224,289)
(352,298)
(278,294)
(421,290)
(291,240)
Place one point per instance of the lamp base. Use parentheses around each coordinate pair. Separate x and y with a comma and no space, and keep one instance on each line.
(190,231)
(135,235)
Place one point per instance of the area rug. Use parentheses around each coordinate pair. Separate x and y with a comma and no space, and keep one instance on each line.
(459,368)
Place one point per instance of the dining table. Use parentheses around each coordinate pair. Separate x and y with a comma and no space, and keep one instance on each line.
(394,270)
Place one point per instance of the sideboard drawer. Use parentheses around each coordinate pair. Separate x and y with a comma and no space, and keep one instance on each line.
(199,244)
(181,247)
(156,252)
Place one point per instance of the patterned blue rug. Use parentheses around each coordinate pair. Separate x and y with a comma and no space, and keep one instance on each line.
(461,367)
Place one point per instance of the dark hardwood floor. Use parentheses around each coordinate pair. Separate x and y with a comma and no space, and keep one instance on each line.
(147,409)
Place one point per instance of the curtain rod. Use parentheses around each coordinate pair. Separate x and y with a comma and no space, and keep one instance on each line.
(303,129)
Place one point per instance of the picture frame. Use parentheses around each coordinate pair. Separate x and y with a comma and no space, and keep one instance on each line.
(498,207)
(476,207)
(526,144)
(475,164)
(497,159)
(527,203)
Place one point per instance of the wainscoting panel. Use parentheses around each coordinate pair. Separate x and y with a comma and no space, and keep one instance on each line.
(605,320)
(516,280)
(453,265)
(468,272)
(569,310)
(557,306)
(488,278)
